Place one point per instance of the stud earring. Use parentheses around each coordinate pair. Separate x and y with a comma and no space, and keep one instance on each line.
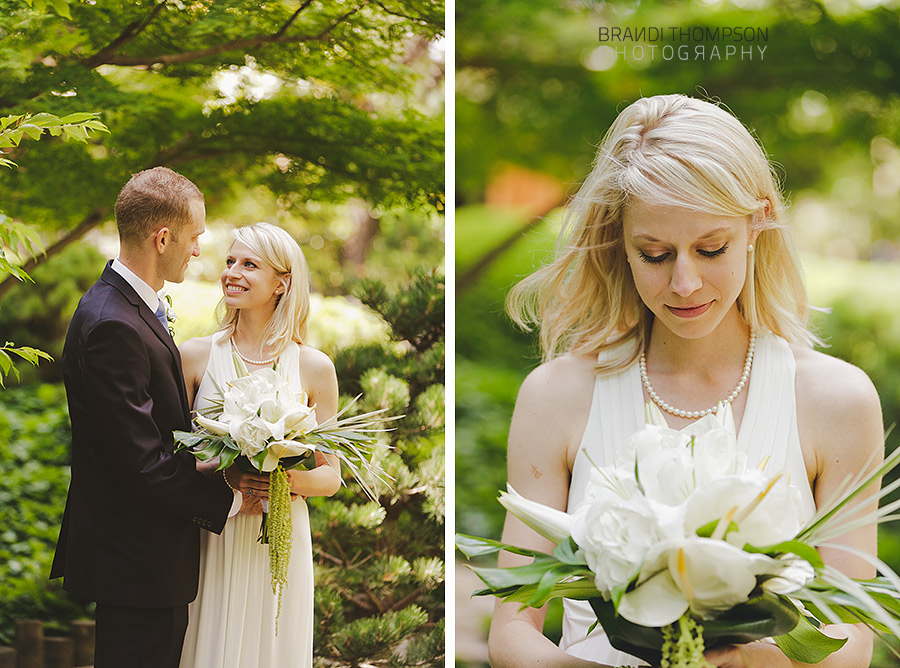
(749,248)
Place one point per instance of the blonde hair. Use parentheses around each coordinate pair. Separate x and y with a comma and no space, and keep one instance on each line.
(277,249)
(677,151)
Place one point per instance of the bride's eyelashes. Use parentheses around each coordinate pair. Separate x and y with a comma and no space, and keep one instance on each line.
(662,257)
(247,263)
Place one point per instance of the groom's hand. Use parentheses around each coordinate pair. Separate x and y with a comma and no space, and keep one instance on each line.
(249,484)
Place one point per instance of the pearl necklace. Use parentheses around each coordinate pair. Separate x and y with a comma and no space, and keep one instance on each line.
(751,349)
(249,361)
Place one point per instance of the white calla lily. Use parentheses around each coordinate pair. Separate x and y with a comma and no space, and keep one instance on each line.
(290,448)
(551,523)
(656,602)
(212,426)
(793,573)
(714,576)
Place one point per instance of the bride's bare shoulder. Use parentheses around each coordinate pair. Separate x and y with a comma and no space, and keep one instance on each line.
(560,379)
(838,408)
(835,386)
(316,368)
(195,353)
(560,388)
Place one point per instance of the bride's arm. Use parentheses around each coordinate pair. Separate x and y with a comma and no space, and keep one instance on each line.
(194,358)
(547,418)
(319,380)
(839,416)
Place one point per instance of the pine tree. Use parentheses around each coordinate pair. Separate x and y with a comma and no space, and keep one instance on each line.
(379,566)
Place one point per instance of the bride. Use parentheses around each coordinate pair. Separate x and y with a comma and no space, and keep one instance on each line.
(232,622)
(678,283)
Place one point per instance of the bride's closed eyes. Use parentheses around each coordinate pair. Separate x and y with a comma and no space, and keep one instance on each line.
(657,259)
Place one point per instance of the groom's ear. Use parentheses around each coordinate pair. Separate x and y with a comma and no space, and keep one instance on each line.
(161,239)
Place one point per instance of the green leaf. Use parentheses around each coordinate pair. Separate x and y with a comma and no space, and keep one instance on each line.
(75,132)
(566,552)
(77,118)
(707,529)
(6,121)
(472,547)
(807,644)
(797,547)
(227,457)
(33,131)
(44,120)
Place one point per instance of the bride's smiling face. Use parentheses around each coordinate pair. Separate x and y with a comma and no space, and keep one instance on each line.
(688,267)
(248,281)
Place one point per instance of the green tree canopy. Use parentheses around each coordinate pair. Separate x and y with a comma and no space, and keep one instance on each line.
(311,100)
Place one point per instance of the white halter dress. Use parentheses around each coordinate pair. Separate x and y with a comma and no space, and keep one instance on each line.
(231,624)
(768,428)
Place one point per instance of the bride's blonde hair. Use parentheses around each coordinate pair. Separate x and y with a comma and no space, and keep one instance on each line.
(672,150)
(276,248)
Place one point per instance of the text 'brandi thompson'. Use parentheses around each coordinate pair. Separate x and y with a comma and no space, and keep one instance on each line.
(682,43)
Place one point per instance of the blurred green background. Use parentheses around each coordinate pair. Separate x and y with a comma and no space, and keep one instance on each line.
(535,91)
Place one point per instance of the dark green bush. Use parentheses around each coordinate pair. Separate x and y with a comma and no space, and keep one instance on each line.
(34,480)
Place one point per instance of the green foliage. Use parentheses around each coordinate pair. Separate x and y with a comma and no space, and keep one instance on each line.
(362,637)
(34,479)
(41,315)
(380,570)
(14,128)
(14,236)
(416,312)
(296,104)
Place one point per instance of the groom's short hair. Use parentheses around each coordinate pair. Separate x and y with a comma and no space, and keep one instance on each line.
(151,199)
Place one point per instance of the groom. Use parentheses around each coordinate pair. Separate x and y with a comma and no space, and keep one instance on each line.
(130,535)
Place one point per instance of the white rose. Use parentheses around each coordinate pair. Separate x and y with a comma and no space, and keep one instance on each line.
(615,535)
(245,396)
(250,435)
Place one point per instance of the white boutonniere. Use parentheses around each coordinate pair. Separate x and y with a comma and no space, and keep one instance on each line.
(171,316)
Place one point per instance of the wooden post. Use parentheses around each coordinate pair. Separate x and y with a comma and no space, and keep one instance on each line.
(7,657)
(29,643)
(83,633)
(58,652)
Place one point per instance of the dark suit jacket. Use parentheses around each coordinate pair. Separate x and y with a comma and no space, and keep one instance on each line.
(131,531)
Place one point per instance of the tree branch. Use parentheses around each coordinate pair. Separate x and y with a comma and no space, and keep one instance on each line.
(187,56)
(410,597)
(414,19)
(88,223)
(234,45)
(131,31)
(293,18)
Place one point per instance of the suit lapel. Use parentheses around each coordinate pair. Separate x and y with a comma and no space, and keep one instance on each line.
(114,279)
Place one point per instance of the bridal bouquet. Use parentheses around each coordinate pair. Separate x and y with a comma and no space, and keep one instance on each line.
(681,546)
(260,423)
